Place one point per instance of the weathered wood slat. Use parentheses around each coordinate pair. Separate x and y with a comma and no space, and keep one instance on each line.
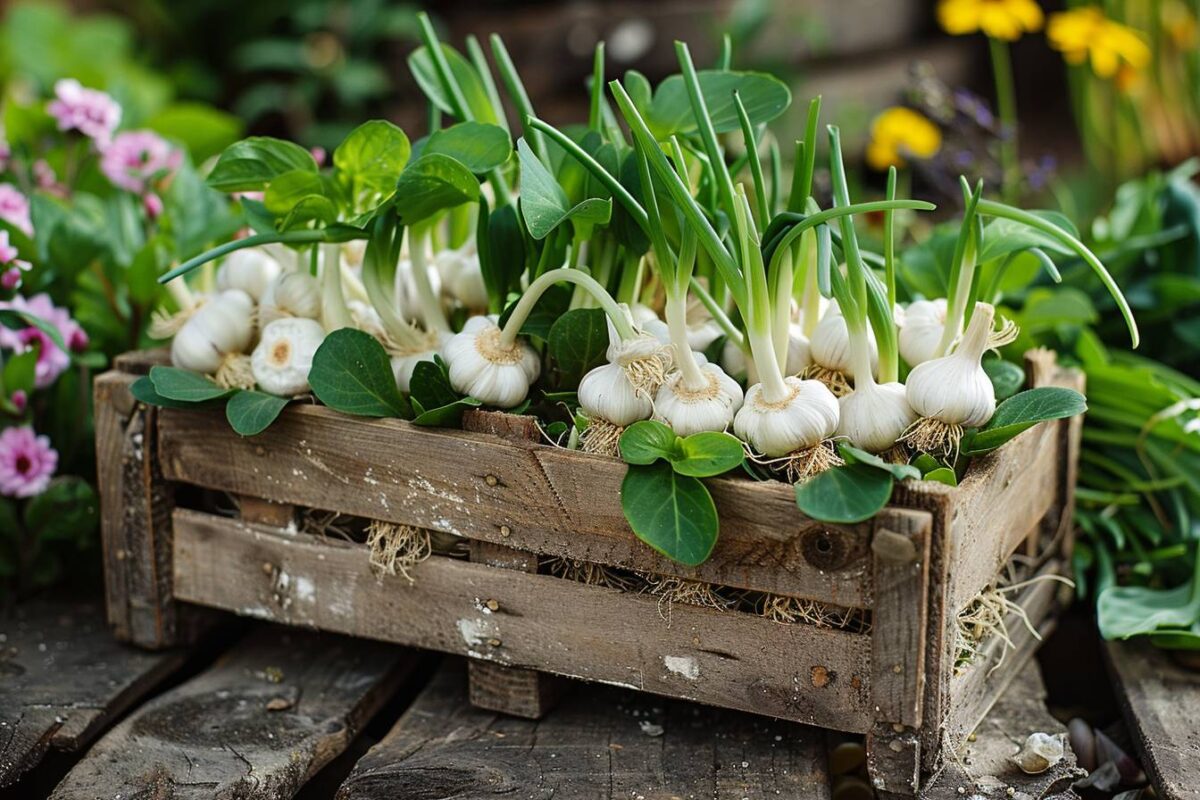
(520,494)
(600,743)
(63,678)
(135,509)
(797,672)
(256,725)
(1161,702)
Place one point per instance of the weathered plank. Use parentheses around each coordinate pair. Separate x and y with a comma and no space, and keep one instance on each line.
(257,724)
(982,768)
(1161,702)
(798,672)
(601,742)
(63,679)
(135,509)
(517,493)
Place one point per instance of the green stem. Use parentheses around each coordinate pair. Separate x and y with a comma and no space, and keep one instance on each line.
(676,313)
(479,60)
(520,98)
(431,305)
(889,240)
(962,270)
(1006,104)
(258,240)
(335,314)
(508,336)
(757,309)
(594,118)
(708,135)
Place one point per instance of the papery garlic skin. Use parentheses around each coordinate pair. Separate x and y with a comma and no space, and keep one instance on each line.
(222,326)
(875,415)
(830,345)
(482,367)
(642,314)
(283,358)
(291,294)
(462,276)
(710,409)
(606,392)
(249,270)
(806,418)
(921,332)
(955,389)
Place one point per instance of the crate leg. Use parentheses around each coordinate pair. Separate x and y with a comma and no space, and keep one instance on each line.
(510,690)
(894,760)
(135,521)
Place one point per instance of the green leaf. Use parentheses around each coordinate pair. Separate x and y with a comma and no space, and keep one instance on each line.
(351,373)
(16,319)
(203,130)
(941,475)
(252,412)
(672,513)
(900,472)
(185,386)
(647,441)
(1126,611)
(447,416)
(479,106)
(764,96)
(1021,412)
(544,204)
(703,455)
(846,494)
(478,146)
(577,342)
(252,163)
(434,400)
(1007,378)
(433,183)
(143,391)
(373,154)
(503,263)
(20,371)
(67,511)
(1002,237)
(286,191)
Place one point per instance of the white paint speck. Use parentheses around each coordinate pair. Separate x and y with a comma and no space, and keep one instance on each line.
(305,590)
(477,631)
(684,666)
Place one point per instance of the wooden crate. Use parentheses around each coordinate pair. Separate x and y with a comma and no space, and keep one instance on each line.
(517,502)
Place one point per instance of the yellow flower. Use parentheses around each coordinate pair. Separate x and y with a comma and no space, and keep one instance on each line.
(898,133)
(1085,33)
(999,19)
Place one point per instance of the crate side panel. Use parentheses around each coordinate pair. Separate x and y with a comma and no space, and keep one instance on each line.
(730,659)
(519,494)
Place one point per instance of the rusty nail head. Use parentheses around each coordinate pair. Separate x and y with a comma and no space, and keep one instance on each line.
(491,480)
(492,605)
(494,642)
(505,530)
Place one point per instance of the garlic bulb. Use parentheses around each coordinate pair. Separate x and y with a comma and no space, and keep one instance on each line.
(605,392)
(405,361)
(642,314)
(644,359)
(462,276)
(292,294)
(483,366)
(954,389)
(712,408)
(921,331)
(733,358)
(281,361)
(830,346)
(220,327)
(807,417)
(874,416)
(250,270)
(366,318)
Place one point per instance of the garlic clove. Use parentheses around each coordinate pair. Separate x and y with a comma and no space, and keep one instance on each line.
(291,294)
(283,358)
(1040,752)
(250,270)
(922,329)
(830,345)
(222,326)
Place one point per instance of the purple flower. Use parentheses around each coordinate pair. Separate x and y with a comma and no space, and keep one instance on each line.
(20,400)
(8,253)
(89,111)
(10,280)
(51,360)
(134,159)
(27,462)
(14,209)
(153,205)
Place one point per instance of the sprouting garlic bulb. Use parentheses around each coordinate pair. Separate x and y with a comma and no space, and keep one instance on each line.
(954,389)
(292,294)
(366,318)
(799,356)
(709,409)
(807,417)
(462,276)
(403,363)
(221,327)
(250,270)
(282,360)
(482,366)
(830,345)
(921,332)
(606,392)
(875,415)
(644,358)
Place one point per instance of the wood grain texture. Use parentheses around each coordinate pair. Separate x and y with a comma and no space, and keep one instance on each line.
(797,672)
(601,743)
(1161,702)
(135,509)
(63,679)
(518,493)
(254,726)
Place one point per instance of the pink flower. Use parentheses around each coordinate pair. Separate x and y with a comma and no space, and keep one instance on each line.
(51,360)
(27,462)
(318,154)
(134,159)
(8,254)
(89,111)
(19,400)
(5,154)
(153,205)
(14,209)
(10,280)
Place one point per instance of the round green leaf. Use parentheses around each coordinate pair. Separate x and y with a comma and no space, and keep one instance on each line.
(185,386)
(351,373)
(846,494)
(1007,378)
(476,145)
(672,513)
(703,455)
(1021,412)
(373,154)
(647,441)
(431,184)
(252,412)
(764,96)
(250,164)
(578,341)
